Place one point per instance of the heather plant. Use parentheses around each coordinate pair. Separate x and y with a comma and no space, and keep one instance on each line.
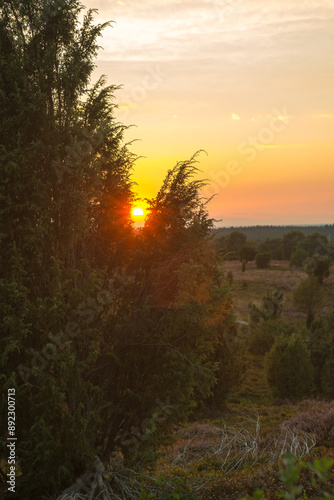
(318,422)
(291,475)
(227,448)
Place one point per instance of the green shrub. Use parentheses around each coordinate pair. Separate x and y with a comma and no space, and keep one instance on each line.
(288,368)
(230,277)
(262,260)
(247,252)
(319,266)
(298,257)
(292,474)
(308,297)
(264,335)
(270,308)
(321,346)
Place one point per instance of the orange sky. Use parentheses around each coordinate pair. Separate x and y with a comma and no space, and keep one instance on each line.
(249,81)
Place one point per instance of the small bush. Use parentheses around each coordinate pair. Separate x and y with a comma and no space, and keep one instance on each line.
(262,340)
(264,335)
(230,277)
(288,368)
(298,258)
(320,423)
(308,297)
(270,308)
(262,260)
(319,266)
(247,252)
(321,346)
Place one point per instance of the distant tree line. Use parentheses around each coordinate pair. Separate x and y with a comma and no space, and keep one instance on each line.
(260,233)
(313,252)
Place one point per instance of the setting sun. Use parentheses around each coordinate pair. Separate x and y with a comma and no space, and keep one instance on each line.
(137,211)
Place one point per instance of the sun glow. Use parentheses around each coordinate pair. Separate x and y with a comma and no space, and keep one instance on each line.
(138,211)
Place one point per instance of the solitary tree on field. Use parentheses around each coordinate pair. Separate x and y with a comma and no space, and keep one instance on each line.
(308,297)
(319,266)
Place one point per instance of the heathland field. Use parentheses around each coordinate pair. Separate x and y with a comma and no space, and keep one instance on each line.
(229,451)
(253,284)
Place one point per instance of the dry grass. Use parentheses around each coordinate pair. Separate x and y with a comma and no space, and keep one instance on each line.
(229,448)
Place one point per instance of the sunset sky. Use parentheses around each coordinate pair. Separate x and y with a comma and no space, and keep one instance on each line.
(251,82)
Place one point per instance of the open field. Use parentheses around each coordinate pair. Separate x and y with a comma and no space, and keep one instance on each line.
(249,427)
(253,284)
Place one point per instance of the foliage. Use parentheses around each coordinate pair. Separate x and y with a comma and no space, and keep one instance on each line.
(274,246)
(261,234)
(298,257)
(62,160)
(290,241)
(288,368)
(167,489)
(308,297)
(262,259)
(247,252)
(231,245)
(293,478)
(230,277)
(98,321)
(319,267)
(290,475)
(314,243)
(319,422)
(321,347)
(264,335)
(270,308)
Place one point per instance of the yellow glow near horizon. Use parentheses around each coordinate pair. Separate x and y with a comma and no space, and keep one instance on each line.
(269,144)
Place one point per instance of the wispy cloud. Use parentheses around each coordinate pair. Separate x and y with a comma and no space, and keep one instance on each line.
(217,57)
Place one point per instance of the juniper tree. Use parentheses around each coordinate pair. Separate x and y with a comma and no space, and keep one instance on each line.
(97,321)
(64,168)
